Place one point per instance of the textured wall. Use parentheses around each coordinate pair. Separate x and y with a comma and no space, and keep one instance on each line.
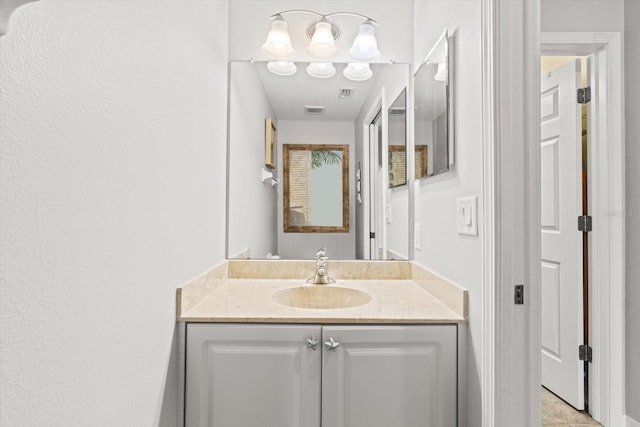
(112,135)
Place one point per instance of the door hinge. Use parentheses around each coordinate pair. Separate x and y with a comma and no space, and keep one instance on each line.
(519,295)
(585,223)
(584,95)
(585,353)
(372,235)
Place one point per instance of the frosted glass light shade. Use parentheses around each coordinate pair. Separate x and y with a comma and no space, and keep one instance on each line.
(365,45)
(442,75)
(282,68)
(278,44)
(322,44)
(321,70)
(358,71)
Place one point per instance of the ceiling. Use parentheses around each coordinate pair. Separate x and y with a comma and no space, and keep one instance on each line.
(290,94)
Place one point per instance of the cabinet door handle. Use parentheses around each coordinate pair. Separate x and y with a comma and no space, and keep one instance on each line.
(331,345)
(312,343)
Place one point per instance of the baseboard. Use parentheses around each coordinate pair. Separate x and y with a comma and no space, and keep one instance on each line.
(630,422)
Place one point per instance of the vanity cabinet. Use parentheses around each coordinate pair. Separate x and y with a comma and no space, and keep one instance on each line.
(241,375)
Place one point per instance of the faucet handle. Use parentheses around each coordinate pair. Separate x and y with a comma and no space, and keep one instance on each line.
(322,253)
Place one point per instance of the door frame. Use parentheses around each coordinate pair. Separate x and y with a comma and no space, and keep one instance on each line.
(511,186)
(378,105)
(606,241)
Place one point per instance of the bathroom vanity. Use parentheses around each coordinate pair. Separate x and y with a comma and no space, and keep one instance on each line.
(378,348)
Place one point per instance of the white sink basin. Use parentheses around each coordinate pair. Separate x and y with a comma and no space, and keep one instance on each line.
(321,296)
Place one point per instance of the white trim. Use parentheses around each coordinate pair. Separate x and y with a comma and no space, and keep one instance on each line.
(511,185)
(411,179)
(385,172)
(488,227)
(606,198)
(376,106)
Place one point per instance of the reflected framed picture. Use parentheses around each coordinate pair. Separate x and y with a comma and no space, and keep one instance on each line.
(270,138)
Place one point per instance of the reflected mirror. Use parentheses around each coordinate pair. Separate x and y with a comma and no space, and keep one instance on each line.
(398,141)
(316,188)
(433,111)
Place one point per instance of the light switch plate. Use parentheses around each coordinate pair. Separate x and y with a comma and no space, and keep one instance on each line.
(467,215)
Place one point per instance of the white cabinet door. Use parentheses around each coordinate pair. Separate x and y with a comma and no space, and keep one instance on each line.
(382,376)
(252,375)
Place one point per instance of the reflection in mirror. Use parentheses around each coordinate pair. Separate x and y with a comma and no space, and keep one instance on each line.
(316,188)
(433,111)
(398,141)
(305,111)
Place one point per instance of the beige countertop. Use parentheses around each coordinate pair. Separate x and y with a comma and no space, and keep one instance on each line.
(221,296)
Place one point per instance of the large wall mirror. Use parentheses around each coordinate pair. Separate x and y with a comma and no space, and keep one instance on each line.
(316,188)
(317,119)
(433,123)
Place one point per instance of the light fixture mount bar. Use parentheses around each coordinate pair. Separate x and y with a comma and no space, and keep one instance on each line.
(366,18)
(311,12)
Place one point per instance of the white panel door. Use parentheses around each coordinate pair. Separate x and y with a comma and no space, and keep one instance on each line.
(561,204)
(252,375)
(389,376)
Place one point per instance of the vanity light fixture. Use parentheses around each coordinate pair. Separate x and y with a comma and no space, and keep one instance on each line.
(321,70)
(438,55)
(442,75)
(282,68)
(322,35)
(358,71)
(322,45)
(278,44)
(365,45)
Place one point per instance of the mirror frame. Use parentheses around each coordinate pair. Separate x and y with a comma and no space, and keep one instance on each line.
(287,227)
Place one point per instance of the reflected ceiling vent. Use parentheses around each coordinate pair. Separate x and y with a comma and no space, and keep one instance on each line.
(397,110)
(346,92)
(314,110)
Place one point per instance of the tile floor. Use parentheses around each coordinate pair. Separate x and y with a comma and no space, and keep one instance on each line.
(557,413)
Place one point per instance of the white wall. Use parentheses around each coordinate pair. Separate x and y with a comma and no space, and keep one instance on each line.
(632,156)
(459,258)
(582,15)
(112,134)
(252,204)
(305,245)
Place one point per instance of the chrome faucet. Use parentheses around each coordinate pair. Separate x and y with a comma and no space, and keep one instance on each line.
(321,277)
